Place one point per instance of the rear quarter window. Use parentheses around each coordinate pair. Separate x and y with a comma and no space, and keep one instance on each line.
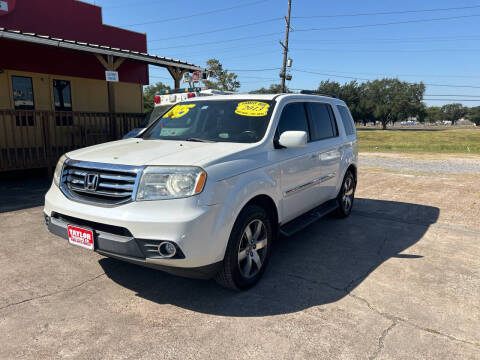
(347,120)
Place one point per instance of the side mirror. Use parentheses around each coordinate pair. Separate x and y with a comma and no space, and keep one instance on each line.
(293,139)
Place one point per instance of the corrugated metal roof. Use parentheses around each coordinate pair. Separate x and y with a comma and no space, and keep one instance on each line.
(96,49)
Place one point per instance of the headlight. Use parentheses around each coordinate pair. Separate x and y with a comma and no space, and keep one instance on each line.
(58,170)
(160,182)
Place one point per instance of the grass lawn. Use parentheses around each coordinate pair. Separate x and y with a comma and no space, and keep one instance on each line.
(465,141)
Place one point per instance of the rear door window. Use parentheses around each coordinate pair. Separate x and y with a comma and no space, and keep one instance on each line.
(322,121)
(346,120)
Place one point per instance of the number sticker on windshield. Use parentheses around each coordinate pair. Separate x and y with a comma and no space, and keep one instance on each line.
(178,111)
(252,108)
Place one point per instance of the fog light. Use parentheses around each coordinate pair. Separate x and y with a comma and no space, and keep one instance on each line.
(167,249)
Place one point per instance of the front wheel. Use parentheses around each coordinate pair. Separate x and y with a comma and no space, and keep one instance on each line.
(346,196)
(248,249)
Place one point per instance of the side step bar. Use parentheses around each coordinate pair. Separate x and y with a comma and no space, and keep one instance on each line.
(308,218)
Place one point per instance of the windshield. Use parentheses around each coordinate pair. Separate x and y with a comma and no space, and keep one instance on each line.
(243,121)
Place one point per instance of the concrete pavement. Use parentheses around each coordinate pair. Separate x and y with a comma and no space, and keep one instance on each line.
(399,279)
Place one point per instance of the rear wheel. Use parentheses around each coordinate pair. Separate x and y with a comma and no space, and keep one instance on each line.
(248,249)
(346,196)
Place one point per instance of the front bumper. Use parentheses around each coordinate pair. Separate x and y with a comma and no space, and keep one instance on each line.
(128,249)
(124,231)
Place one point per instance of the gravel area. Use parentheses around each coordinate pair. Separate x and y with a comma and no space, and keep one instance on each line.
(405,164)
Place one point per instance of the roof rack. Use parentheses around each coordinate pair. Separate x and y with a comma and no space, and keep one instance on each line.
(315,92)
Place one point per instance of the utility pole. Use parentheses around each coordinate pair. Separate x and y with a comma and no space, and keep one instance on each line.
(283,74)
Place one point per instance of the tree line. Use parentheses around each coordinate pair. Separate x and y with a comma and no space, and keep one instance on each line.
(384,101)
(388,101)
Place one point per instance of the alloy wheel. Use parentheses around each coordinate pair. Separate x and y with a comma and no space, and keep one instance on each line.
(348,190)
(252,248)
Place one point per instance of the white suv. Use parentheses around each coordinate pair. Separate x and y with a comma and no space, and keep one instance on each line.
(207,188)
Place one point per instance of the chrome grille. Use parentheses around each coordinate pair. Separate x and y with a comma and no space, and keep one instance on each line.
(101,184)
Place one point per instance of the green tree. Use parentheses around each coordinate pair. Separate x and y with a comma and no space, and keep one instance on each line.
(149,94)
(454,112)
(393,100)
(434,114)
(474,115)
(330,87)
(224,80)
(351,93)
(273,89)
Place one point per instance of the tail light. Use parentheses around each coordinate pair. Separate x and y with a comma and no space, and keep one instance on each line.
(156,99)
(190,95)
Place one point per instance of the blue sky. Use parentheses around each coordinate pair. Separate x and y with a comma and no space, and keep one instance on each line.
(437,52)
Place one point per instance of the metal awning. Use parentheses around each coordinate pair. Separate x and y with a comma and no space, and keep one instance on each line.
(98,49)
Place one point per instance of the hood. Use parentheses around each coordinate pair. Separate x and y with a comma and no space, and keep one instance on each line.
(156,152)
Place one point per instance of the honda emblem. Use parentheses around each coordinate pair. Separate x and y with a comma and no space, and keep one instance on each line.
(91,182)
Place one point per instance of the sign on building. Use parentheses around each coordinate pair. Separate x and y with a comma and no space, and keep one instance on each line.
(111,76)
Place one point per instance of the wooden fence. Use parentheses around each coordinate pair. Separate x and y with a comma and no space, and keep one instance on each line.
(36,139)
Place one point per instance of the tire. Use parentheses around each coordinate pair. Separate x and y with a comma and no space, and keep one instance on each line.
(346,196)
(240,252)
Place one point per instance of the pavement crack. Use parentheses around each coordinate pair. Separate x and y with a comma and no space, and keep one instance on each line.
(54,292)
(394,318)
(326,284)
(379,260)
(381,340)
(398,319)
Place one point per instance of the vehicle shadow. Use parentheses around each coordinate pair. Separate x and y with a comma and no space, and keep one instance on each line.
(23,190)
(319,265)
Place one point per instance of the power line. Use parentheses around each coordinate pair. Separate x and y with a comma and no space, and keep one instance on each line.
(454,86)
(249,55)
(386,12)
(383,50)
(214,11)
(396,75)
(161,77)
(387,23)
(216,42)
(355,41)
(257,81)
(311,29)
(254,70)
(451,100)
(222,50)
(218,30)
(475,96)
(364,79)
(317,29)
(258,77)
(413,39)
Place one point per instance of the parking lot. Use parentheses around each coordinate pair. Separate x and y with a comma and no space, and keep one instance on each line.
(400,278)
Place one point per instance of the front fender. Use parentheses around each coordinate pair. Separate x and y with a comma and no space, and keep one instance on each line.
(232,194)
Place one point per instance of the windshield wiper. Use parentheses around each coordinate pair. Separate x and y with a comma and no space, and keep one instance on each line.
(199,140)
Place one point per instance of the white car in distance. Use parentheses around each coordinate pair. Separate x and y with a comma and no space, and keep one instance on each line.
(205,190)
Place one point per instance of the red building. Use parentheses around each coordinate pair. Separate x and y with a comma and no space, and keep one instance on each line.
(54,96)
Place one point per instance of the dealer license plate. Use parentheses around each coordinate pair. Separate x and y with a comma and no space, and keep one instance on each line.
(80,237)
